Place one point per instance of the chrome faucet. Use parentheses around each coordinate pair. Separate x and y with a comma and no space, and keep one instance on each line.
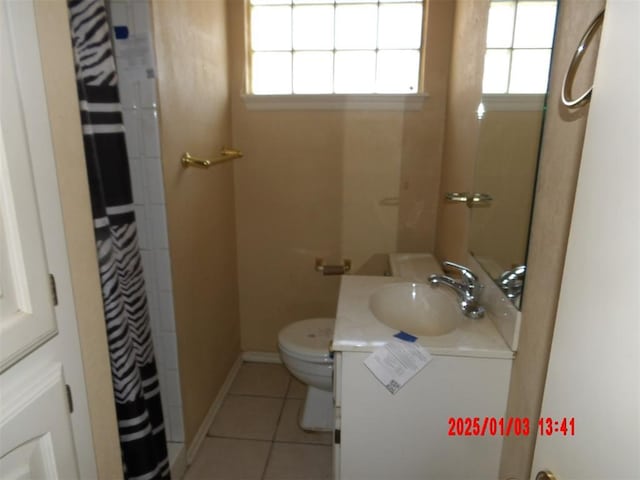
(512,281)
(468,289)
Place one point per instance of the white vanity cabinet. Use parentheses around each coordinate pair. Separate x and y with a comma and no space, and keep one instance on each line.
(406,436)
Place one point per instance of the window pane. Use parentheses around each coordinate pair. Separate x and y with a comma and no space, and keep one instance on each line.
(529,71)
(313,72)
(313,28)
(271,73)
(355,72)
(535,24)
(500,25)
(356,26)
(400,26)
(496,71)
(398,71)
(271,28)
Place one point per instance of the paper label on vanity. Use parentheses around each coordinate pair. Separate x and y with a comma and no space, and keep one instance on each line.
(396,363)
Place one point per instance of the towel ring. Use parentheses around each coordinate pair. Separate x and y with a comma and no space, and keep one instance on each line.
(575,61)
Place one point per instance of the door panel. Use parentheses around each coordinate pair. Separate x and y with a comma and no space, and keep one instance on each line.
(593,368)
(27,317)
(39,437)
(35,429)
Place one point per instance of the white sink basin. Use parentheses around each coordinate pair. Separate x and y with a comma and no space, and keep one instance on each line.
(416,308)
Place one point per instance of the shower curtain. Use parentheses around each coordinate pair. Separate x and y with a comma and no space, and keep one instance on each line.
(135,381)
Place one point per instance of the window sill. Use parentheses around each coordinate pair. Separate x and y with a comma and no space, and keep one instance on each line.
(505,102)
(392,102)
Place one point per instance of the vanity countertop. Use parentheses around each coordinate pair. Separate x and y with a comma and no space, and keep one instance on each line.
(357,329)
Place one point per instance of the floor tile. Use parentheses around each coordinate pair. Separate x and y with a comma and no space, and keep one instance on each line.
(229,459)
(247,417)
(297,389)
(290,461)
(264,379)
(290,431)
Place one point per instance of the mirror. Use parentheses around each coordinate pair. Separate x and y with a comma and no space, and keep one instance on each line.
(519,41)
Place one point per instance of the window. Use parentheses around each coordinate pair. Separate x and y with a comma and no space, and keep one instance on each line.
(519,41)
(335,46)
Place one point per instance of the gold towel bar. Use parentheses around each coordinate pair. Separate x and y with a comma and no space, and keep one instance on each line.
(471,199)
(333,269)
(189,160)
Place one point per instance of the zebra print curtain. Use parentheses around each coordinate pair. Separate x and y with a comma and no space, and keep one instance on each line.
(135,381)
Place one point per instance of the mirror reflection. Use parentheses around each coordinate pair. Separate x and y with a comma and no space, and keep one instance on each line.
(516,70)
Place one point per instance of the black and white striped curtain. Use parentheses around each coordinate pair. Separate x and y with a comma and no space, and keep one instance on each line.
(133,368)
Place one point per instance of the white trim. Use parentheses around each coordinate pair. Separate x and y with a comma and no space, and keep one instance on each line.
(261,357)
(213,410)
(511,102)
(376,101)
(177,459)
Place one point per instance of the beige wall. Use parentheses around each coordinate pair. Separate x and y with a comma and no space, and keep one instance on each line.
(506,169)
(62,100)
(191,48)
(311,184)
(559,162)
(462,127)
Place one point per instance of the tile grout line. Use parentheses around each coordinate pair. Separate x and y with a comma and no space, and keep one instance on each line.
(275,431)
(285,442)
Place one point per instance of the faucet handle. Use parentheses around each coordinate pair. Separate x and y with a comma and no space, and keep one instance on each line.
(468,276)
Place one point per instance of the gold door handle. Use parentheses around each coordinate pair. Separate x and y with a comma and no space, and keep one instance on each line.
(545,475)
(226,154)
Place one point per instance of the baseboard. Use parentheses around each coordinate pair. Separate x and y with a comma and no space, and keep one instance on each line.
(261,357)
(213,410)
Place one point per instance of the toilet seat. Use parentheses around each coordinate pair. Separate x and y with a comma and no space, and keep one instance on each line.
(308,340)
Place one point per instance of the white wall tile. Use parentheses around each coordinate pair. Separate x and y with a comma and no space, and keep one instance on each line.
(148,95)
(142,227)
(132,128)
(141,16)
(161,364)
(154,180)
(154,311)
(150,275)
(167,315)
(177,426)
(150,133)
(129,92)
(163,269)
(159,226)
(119,13)
(170,350)
(137,167)
(173,387)
(167,422)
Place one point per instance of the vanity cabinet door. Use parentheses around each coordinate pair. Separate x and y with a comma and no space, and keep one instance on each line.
(406,435)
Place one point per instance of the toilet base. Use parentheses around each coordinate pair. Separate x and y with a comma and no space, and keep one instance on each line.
(318,413)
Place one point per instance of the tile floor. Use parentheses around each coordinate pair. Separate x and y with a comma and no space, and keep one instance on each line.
(255,435)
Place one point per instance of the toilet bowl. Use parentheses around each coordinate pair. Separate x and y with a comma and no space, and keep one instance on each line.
(304,348)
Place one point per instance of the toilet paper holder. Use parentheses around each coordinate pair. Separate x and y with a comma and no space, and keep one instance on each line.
(333,269)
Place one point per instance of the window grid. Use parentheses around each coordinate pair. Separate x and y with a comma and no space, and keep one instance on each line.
(334,51)
(511,48)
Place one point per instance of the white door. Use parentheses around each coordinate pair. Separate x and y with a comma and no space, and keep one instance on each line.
(42,433)
(593,379)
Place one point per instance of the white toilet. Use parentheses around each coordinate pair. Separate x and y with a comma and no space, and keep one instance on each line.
(304,348)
